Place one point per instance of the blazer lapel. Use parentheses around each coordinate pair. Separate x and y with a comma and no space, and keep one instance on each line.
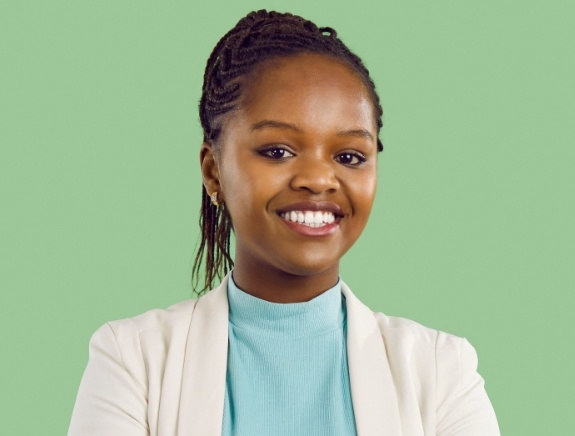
(372,390)
(205,363)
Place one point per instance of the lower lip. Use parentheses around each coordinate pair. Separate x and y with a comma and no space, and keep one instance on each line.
(304,230)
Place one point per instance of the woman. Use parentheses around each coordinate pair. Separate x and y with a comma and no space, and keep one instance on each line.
(281,346)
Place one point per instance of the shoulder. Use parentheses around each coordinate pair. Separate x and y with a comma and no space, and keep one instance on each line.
(132,343)
(128,359)
(412,347)
(448,353)
(145,335)
(398,333)
(394,325)
(158,330)
(441,365)
(395,328)
(419,350)
(155,319)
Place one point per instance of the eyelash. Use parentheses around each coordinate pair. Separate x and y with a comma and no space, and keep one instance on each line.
(267,152)
(353,154)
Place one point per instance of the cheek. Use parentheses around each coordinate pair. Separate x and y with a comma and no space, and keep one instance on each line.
(248,188)
(363,194)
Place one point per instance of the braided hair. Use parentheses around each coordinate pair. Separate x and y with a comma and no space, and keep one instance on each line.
(256,38)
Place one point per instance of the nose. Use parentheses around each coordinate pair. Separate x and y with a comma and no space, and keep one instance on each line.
(316,175)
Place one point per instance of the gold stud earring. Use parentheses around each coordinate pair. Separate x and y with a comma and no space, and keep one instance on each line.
(214,198)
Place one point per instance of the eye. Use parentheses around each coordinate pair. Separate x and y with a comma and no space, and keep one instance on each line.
(350,158)
(276,152)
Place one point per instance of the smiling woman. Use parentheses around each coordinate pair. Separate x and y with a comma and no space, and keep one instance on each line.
(281,346)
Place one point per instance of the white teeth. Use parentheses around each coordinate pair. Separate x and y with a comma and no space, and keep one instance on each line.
(309,218)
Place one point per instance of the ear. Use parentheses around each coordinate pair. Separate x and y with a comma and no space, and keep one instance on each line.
(210,168)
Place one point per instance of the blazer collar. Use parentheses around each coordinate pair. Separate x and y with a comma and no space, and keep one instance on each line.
(204,372)
(372,389)
(205,363)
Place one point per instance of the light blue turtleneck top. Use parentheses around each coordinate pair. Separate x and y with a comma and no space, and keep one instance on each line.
(287,369)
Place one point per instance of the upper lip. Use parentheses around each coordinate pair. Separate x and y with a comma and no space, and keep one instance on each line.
(324,206)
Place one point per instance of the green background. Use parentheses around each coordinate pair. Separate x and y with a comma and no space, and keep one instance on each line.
(472,231)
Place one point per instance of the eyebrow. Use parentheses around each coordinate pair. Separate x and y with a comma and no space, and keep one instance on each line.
(356,133)
(272,124)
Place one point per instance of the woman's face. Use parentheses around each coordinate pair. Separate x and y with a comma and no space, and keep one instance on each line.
(303,145)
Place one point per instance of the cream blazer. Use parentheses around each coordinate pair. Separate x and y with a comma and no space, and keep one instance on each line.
(163,373)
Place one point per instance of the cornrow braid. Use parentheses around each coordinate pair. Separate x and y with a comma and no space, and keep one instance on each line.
(256,38)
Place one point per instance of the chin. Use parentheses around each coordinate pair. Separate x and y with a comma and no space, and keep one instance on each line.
(310,268)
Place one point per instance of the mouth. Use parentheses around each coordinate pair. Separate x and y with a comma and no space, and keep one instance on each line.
(310,218)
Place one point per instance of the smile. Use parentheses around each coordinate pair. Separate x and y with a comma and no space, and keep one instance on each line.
(309,218)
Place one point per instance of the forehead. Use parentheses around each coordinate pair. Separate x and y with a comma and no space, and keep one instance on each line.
(307,89)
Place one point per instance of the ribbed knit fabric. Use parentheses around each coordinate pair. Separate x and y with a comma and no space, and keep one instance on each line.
(287,367)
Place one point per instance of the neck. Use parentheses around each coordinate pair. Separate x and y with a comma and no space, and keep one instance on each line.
(279,286)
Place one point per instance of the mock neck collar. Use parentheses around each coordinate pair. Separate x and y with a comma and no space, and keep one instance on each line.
(322,314)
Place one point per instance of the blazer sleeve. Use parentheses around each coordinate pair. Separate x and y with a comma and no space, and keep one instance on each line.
(112,398)
(463,407)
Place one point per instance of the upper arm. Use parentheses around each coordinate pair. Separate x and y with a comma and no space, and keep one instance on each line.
(463,407)
(112,398)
